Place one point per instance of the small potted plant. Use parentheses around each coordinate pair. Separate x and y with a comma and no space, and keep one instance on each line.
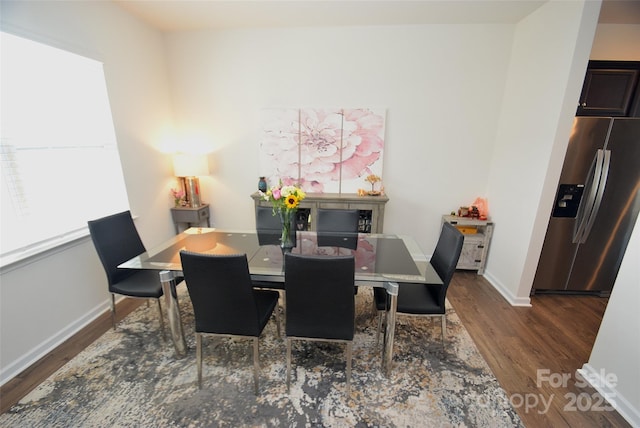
(373,179)
(178,197)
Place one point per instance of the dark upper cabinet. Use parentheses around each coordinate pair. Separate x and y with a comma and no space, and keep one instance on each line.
(610,89)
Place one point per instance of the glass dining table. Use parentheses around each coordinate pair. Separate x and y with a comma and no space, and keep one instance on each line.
(381,260)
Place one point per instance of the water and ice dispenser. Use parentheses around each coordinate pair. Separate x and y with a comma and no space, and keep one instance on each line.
(567,200)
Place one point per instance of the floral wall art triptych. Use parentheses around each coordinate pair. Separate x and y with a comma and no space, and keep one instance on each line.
(323,150)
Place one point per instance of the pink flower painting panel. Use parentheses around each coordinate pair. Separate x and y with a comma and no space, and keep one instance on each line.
(280,146)
(362,147)
(320,150)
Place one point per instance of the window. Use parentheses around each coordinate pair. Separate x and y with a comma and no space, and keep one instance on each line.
(58,153)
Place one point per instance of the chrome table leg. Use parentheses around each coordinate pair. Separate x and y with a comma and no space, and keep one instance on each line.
(390,327)
(168,280)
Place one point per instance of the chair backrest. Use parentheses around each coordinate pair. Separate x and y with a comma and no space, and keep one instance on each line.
(319,296)
(221,293)
(335,220)
(266,221)
(338,228)
(116,240)
(445,256)
(268,226)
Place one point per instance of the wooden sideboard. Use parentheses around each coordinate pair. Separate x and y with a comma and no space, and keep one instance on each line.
(371,208)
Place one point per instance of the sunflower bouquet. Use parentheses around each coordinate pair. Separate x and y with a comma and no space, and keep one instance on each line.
(285,201)
(284,197)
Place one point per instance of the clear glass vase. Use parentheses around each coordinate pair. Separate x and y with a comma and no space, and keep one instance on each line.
(287,239)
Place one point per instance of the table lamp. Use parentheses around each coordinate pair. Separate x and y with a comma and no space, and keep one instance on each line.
(189,167)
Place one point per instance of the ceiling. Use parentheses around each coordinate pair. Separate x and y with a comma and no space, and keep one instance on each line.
(180,15)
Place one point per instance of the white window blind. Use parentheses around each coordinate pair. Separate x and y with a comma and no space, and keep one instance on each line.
(58,153)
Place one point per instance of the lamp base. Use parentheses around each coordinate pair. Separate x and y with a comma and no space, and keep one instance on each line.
(192,191)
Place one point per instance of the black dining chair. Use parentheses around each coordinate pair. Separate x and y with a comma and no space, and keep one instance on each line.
(225,303)
(268,226)
(269,230)
(427,299)
(320,304)
(116,240)
(337,228)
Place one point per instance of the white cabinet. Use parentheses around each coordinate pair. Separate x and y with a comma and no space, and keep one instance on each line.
(477,237)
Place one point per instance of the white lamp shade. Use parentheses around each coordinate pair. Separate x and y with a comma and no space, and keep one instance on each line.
(186,165)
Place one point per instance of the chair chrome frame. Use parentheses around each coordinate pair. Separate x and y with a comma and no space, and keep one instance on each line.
(256,353)
(225,304)
(444,259)
(381,317)
(269,231)
(113,311)
(320,287)
(116,240)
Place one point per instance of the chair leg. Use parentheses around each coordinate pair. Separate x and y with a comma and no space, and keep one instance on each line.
(444,329)
(379,328)
(199,358)
(277,311)
(349,352)
(113,310)
(256,364)
(161,318)
(284,304)
(288,363)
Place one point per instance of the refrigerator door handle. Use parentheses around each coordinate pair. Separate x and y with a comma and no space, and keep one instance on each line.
(606,162)
(588,200)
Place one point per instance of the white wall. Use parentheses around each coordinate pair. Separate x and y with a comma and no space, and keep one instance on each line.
(614,364)
(444,90)
(48,298)
(442,86)
(550,54)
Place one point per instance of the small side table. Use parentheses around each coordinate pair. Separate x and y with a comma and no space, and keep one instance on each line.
(191,216)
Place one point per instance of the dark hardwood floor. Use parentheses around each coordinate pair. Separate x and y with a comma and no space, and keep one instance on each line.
(555,334)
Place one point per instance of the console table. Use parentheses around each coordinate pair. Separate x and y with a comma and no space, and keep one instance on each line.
(477,237)
(371,208)
(190,216)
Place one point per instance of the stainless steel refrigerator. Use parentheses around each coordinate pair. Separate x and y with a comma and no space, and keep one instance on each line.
(596,206)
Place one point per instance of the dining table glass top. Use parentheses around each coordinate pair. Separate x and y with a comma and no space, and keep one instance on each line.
(378,257)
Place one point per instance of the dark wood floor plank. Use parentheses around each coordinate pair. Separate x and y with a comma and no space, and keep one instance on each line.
(557,334)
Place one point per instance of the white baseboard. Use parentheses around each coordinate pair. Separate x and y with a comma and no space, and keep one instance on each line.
(610,393)
(16,367)
(506,293)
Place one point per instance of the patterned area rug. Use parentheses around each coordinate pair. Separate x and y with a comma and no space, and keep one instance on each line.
(130,377)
